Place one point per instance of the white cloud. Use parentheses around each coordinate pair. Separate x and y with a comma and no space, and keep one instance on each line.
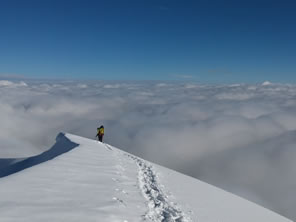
(190,86)
(161,84)
(111,86)
(207,131)
(6,83)
(231,96)
(266,83)
(82,86)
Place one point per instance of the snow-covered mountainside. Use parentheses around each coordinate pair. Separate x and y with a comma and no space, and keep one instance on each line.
(80,179)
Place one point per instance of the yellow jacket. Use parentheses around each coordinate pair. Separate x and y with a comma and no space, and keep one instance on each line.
(101,131)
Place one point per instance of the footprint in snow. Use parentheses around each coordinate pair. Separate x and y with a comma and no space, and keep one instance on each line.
(115,180)
(122,191)
(119,200)
(119,167)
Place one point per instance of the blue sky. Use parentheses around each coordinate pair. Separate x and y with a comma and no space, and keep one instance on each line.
(204,41)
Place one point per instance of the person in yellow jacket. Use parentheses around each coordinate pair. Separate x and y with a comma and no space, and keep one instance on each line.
(100,133)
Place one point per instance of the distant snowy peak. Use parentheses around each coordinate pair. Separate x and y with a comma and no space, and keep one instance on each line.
(266,83)
(92,181)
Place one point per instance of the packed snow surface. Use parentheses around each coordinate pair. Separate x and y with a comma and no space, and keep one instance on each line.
(80,179)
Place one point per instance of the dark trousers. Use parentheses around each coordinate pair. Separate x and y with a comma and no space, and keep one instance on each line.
(100,138)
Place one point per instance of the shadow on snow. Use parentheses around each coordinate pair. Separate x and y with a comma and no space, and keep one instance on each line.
(10,166)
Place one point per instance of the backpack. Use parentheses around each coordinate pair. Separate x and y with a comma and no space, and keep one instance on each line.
(101,131)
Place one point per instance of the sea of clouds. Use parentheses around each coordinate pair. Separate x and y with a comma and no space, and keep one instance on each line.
(239,137)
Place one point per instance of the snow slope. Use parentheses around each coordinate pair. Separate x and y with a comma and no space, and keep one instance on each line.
(83,180)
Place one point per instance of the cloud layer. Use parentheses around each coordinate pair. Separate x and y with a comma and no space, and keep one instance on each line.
(239,137)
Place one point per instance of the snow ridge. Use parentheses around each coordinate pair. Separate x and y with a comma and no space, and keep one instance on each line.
(160,208)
